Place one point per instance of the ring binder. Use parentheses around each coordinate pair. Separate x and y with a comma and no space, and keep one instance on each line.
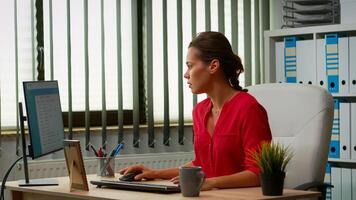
(290,59)
(332,62)
(334,151)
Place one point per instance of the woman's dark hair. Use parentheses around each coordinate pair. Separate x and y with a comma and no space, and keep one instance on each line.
(214,45)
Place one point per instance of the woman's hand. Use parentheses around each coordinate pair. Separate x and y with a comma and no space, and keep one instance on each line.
(175,180)
(146,172)
(207,185)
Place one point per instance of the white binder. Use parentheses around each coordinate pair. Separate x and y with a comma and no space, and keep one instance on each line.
(345,140)
(306,62)
(346,186)
(280,73)
(353,191)
(352,64)
(320,64)
(353,145)
(353,131)
(336,182)
(343,65)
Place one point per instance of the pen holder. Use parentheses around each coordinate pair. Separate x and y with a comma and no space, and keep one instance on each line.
(106,166)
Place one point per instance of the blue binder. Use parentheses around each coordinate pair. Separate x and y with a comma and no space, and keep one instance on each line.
(328,180)
(290,59)
(334,150)
(328,168)
(332,62)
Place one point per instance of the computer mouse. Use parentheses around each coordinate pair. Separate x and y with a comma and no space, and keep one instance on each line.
(129,176)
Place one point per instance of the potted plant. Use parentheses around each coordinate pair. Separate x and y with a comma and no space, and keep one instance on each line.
(272,159)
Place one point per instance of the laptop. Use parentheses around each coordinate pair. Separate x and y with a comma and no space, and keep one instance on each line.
(136,186)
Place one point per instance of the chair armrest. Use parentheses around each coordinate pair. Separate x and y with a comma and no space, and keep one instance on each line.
(319,186)
(311,185)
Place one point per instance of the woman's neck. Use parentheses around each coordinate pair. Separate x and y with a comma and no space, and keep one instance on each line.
(220,94)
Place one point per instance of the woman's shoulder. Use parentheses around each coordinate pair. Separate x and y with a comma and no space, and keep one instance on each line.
(245,103)
(241,101)
(248,104)
(244,99)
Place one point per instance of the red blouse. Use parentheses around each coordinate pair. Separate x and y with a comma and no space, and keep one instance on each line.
(242,126)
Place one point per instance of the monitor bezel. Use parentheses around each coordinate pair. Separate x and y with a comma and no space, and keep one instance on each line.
(28,118)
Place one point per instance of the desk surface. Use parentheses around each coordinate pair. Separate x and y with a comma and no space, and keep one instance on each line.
(53,192)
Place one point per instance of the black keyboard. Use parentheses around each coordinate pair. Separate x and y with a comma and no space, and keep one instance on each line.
(136,186)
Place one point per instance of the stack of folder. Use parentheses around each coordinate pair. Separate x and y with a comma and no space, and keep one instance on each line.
(299,13)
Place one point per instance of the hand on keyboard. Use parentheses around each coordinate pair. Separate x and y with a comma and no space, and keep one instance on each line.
(175,180)
(129,176)
(146,173)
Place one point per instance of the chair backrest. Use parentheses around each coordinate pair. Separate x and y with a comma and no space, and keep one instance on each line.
(300,116)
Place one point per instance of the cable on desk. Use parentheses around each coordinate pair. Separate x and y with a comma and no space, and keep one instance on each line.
(6,176)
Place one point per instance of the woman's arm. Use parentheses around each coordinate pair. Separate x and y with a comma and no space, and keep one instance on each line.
(153,173)
(171,172)
(241,179)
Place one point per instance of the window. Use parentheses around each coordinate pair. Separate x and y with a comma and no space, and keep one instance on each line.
(60,54)
(173,46)
(25,68)
(56,52)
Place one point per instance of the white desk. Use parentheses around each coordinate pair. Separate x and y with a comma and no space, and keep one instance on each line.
(62,192)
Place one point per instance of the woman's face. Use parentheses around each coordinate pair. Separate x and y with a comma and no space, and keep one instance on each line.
(197,74)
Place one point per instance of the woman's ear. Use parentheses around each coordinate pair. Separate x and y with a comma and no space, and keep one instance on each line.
(214,66)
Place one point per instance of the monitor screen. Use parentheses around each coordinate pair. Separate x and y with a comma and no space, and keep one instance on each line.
(44,116)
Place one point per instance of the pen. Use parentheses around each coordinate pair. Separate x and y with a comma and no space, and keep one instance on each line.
(104,145)
(117,152)
(95,152)
(100,152)
(112,153)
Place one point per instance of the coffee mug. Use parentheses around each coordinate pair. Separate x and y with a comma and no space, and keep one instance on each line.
(191,179)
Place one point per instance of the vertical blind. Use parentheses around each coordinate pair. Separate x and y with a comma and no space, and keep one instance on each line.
(93,29)
(17,59)
(91,48)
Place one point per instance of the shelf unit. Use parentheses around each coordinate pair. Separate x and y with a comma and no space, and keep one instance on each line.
(313,35)
(346,97)
(313,32)
(308,33)
(342,163)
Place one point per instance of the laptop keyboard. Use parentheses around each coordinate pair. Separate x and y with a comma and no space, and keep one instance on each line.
(140,184)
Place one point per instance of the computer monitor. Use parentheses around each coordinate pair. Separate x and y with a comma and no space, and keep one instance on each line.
(44,116)
(45,125)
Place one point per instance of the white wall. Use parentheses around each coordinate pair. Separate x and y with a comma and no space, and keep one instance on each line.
(276,14)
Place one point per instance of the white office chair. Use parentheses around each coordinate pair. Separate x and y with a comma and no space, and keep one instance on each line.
(300,116)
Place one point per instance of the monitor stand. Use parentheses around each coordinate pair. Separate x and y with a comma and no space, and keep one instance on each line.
(38,182)
(27,182)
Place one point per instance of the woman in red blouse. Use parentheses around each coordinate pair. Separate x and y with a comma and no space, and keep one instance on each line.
(227,125)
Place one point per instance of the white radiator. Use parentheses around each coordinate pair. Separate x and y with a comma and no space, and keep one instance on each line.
(57,167)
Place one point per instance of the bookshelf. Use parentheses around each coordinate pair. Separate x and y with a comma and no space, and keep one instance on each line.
(313,33)
(342,172)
